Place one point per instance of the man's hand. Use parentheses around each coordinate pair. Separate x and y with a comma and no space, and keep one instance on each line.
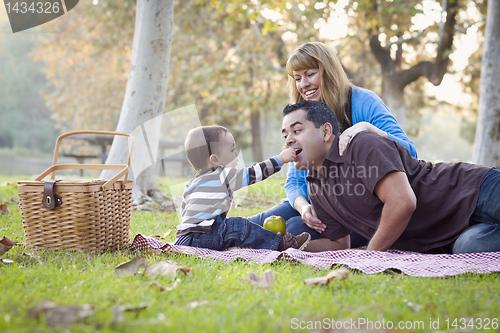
(400,202)
(308,214)
(311,219)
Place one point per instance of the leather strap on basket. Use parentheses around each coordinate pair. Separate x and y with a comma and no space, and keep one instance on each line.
(50,200)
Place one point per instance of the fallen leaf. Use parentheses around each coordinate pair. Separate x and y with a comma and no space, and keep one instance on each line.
(165,268)
(6,244)
(262,282)
(4,209)
(154,251)
(9,242)
(341,273)
(118,310)
(79,284)
(144,208)
(430,307)
(194,305)
(138,307)
(34,256)
(131,267)
(118,316)
(60,315)
(414,307)
(163,288)
(158,286)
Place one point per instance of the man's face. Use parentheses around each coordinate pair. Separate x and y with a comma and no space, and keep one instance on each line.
(305,138)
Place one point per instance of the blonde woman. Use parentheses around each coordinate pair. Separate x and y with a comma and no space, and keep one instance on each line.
(315,73)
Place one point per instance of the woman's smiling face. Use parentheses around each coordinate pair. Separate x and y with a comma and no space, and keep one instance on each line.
(308,83)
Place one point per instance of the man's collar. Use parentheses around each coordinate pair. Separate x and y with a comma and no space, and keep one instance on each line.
(333,154)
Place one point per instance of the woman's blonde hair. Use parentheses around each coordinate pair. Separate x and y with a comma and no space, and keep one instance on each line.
(334,82)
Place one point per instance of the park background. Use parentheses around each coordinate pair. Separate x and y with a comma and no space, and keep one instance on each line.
(227,59)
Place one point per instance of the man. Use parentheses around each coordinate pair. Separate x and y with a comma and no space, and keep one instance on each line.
(378,190)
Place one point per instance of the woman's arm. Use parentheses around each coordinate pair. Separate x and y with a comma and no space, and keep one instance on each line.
(370,113)
(296,185)
(296,192)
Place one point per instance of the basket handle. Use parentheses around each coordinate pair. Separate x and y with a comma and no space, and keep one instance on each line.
(101,166)
(123,167)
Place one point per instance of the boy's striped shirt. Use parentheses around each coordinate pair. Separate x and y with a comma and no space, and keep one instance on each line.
(207,198)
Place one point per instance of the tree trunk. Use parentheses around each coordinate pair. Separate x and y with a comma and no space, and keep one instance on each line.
(393,96)
(256,137)
(145,96)
(487,143)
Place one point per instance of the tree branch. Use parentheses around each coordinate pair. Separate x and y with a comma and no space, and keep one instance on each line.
(402,40)
(423,68)
(446,42)
(464,29)
(382,55)
(433,71)
(369,73)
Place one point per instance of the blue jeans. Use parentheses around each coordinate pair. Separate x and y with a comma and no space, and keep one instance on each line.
(233,231)
(294,223)
(484,234)
(296,226)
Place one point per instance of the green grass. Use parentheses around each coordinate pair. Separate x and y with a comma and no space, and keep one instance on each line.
(214,297)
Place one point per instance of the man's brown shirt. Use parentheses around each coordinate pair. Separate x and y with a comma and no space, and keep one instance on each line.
(345,201)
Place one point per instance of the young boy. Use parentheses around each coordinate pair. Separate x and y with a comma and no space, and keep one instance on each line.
(207,198)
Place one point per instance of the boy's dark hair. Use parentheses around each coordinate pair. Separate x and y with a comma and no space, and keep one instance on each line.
(199,144)
(317,112)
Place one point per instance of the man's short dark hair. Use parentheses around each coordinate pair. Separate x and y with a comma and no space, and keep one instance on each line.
(317,112)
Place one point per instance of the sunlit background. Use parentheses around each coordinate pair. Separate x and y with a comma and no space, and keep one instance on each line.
(71,73)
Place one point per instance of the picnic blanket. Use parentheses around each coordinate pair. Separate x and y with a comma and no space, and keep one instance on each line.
(369,262)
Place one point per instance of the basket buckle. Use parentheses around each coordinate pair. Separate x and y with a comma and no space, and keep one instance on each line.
(50,200)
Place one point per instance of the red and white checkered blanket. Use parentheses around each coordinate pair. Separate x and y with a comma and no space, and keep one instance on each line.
(370,262)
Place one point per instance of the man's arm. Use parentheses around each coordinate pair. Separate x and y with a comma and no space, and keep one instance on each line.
(324,244)
(336,236)
(400,202)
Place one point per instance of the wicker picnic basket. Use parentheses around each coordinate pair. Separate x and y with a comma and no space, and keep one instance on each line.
(84,215)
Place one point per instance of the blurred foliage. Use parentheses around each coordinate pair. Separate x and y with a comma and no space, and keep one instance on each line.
(227,56)
(86,62)
(25,121)
(472,72)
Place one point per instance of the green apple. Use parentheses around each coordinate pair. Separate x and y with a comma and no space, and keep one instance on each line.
(275,224)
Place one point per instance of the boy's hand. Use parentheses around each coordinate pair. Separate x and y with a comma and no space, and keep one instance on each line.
(287,155)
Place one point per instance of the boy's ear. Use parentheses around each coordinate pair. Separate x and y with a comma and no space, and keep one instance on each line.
(327,131)
(213,160)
